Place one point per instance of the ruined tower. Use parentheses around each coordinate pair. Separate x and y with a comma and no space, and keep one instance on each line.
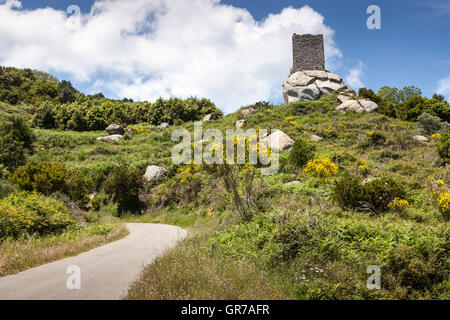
(308,52)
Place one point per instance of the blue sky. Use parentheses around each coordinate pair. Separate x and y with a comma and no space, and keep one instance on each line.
(412,48)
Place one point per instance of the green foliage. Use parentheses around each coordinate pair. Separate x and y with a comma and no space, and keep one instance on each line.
(251,240)
(380,192)
(438,97)
(27,86)
(44,116)
(431,124)
(16,139)
(369,94)
(25,213)
(302,152)
(78,186)
(410,270)
(67,93)
(375,196)
(413,107)
(123,185)
(396,96)
(43,177)
(175,109)
(51,177)
(349,192)
(96,113)
(388,99)
(443,147)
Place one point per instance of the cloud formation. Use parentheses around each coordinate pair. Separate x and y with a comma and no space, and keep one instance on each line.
(444,87)
(144,49)
(354,76)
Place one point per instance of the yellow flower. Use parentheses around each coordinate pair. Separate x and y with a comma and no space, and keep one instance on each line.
(321,167)
(371,133)
(436,136)
(399,204)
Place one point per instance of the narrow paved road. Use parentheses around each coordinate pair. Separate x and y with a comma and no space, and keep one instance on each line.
(106,272)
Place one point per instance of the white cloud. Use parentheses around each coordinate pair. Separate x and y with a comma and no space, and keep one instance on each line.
(144,49)
(354,76)
(444,87)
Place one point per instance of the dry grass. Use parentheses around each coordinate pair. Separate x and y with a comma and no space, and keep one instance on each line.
(189,272)
(19,255)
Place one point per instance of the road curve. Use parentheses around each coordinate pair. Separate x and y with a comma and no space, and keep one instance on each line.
(106,272)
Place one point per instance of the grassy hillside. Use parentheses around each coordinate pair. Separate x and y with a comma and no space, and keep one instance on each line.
(367,194)
(302,244)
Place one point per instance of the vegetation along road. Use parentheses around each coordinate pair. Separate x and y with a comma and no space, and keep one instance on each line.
(105,272)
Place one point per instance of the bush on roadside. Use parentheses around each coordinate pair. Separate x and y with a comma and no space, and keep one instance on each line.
(50,177)
(123,186)
(24,213)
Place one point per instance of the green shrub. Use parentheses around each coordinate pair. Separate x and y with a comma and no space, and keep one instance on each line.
(395,96)
(123,185)
(410,270)
(302,152)
(443,147)
(51,177)
(379,193)
(368,94)
(413,107)
(16,139)
(292,236)
(349,192)
(375,196)
(78,186)
(40,176)
(6,188)
(30,213)
(431,124)
(175,110)
(44,116)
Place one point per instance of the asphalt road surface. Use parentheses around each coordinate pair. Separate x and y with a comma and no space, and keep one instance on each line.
(104,273)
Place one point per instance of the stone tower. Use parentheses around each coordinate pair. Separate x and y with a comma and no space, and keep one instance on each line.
(308,52)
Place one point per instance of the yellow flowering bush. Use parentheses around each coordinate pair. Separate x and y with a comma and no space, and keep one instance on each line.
(440,193)
(25,213)
(443,203)
(436,137)
(289,121)
(186,172)
(399,205)
(361,167)
(138,130)
(242,179)
(321,168)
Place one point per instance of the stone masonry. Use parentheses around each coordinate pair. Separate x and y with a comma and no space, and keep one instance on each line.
(308,52)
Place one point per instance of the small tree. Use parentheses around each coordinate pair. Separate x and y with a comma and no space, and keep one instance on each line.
(44,116)
(16,139)
(123,185)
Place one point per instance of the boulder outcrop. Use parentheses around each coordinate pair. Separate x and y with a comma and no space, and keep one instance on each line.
(311,85)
